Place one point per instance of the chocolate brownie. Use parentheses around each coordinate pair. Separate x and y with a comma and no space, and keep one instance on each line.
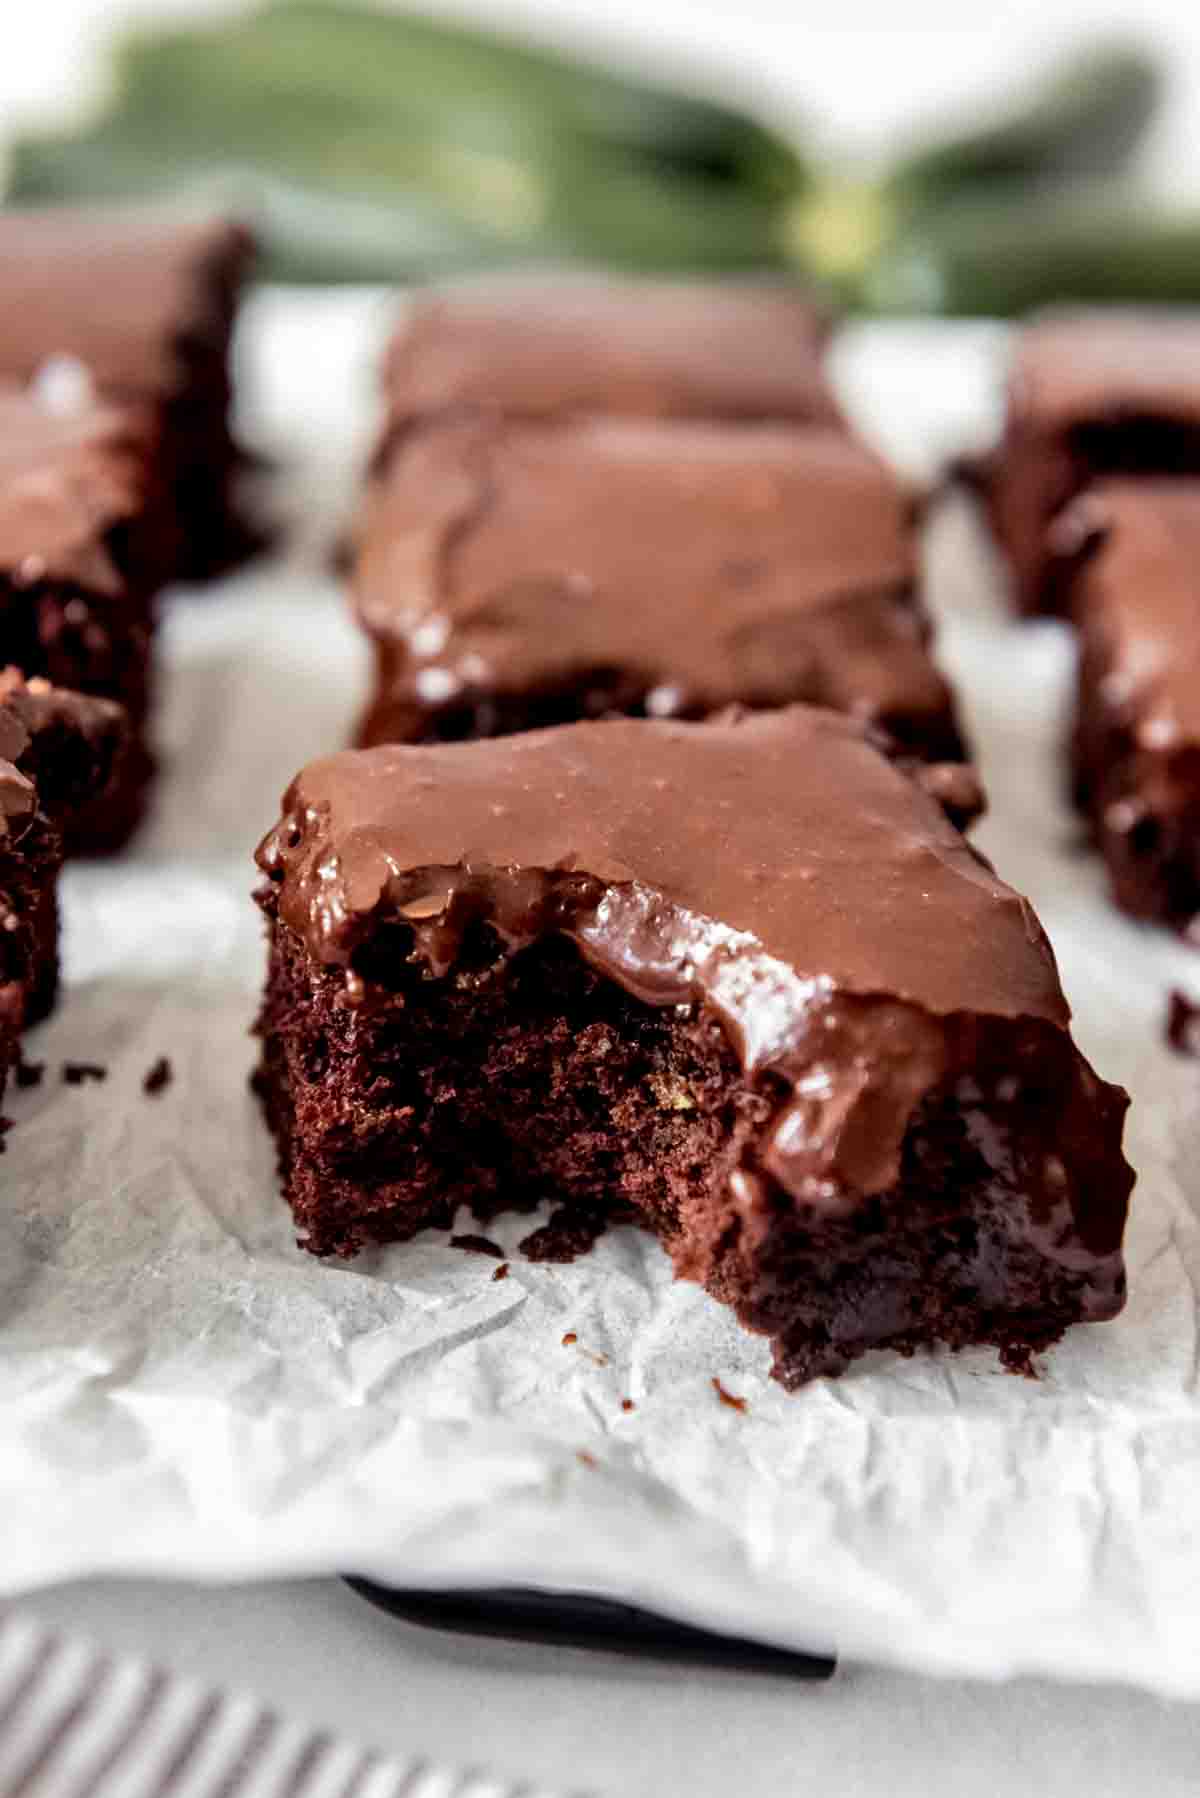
(1091,394)
(741,981)
(58,751)
(142,303)
(518,573)
(1129,560)
(547,346)
(86,537)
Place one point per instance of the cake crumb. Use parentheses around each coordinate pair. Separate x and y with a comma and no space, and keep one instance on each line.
(569,1339)
(584,1458)
(568,1234)
(501,1272)
(1183,1024)
(627,1404)
(75,1073)
(729,1398)
(157,1077)
(478,1245)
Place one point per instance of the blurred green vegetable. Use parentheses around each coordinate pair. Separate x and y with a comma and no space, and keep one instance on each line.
(1011,253)
(375,145)
(379,145)
(1084,118)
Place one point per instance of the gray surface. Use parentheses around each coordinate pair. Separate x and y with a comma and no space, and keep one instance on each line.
(600,1724)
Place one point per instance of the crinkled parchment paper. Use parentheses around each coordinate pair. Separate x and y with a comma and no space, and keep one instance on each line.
(183,1391)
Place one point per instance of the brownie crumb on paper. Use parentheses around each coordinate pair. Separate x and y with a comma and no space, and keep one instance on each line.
(76,1073)
(729,1398)
(158,1077)
(1183,1024)
(478,1245)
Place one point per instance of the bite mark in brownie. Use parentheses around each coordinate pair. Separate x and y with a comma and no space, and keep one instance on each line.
(828,1064)
(1129,554)
(516,575)
(142,300)
(1092,394)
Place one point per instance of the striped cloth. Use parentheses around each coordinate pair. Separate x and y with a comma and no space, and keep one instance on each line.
(75,1723)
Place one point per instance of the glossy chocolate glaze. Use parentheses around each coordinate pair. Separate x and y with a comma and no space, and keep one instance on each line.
(672,566)
(1070,366)
(775,869)
(129,292)
(1137,592)
(545,346)
(67,479)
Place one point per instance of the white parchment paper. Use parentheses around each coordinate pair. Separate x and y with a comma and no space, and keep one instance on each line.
(183,1391)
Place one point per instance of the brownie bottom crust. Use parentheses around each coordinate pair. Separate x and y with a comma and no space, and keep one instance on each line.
(524,1077)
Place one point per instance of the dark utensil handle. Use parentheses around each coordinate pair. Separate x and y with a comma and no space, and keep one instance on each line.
(577,1620)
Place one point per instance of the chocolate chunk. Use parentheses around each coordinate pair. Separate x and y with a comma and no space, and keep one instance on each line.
(889,1136)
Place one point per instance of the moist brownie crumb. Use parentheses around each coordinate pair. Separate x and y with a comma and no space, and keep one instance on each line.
(729,1398)
(478,1245)
(501,1272)
(627,1404)
(28,1073)
(75,1073)
(570,1339)
(1183,1024)
(157,1077)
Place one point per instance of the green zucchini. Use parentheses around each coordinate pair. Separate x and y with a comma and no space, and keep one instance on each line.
(439,148)
(1012,253)
(1084,119)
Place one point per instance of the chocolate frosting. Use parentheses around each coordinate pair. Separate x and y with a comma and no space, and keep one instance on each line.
(127,291)
(66,479)
(775,869)
(1138,590)
(543,346)
(706,563)
(1070,367)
